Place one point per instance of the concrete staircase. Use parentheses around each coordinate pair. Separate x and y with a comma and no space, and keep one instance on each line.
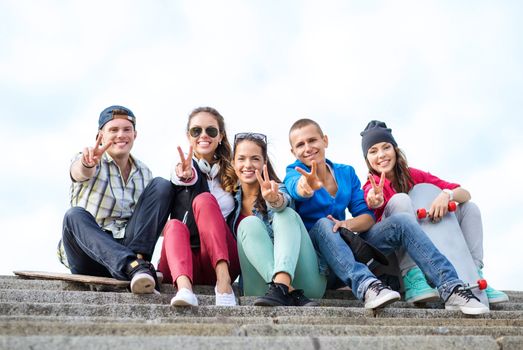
(38,314)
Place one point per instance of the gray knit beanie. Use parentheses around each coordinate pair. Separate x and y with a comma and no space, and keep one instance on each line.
(374,133)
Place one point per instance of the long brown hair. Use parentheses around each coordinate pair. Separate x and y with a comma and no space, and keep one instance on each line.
(259,203)
(223,152)
(402,180)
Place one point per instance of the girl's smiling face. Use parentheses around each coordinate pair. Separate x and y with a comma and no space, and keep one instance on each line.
(382,157)
(248,158)
(204,145)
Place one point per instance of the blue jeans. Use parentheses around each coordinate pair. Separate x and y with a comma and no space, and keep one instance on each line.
(335,254)
(396,231)
(93,251)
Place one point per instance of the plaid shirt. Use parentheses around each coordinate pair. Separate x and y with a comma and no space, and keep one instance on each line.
(107,197)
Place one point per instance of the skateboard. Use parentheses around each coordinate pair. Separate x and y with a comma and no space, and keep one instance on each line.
(448,238)
(95,283)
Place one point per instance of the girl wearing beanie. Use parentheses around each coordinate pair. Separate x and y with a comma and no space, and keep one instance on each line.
(389,181)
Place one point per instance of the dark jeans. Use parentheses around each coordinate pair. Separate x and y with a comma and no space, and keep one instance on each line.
(93,251)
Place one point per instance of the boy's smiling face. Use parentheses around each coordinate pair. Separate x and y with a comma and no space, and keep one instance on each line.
(308,144)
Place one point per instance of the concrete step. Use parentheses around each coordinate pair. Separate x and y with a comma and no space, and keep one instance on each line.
(40,314)
(291,342)
(279,320)
(30,328)
(154,311)
(15,282)
(89,297)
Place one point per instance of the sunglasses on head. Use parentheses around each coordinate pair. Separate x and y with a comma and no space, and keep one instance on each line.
(196,131)
(250,135)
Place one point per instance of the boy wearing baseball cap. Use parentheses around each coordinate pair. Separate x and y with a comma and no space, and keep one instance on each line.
(117,210)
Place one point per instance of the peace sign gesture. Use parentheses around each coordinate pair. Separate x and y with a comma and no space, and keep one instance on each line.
(269,188)
(375,195)
(184,168)
(91,155)
(309,182)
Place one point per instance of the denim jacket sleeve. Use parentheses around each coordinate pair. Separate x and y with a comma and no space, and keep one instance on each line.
(287,201)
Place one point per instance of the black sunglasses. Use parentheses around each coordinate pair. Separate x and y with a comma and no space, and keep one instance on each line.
(250,135)
(196,131)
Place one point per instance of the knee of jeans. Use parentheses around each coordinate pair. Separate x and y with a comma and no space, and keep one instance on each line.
(400,203)
(162,186)
(175,227)
(403,219)
(75,213)
(202,199)
(323,227)
(251,225)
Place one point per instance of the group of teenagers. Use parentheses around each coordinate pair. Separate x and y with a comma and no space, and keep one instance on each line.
(225,213)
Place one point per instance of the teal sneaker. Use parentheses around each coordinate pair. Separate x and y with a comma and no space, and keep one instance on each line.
(417,290)
(494,296)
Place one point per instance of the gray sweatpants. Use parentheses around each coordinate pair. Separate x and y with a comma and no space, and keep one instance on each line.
(469,218)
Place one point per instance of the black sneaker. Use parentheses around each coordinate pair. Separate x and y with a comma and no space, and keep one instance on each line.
(277,295)
(300,299)
(143,277)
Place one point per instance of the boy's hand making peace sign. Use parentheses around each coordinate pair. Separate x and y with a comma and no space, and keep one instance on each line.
(308,182)
(91,155)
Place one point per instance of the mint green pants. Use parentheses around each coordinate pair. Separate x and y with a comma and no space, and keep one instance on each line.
(292,252)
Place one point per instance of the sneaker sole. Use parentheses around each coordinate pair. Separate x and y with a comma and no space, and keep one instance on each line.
(499,300)
(144,284)
(310,304)
(181,302)
(425,298)
(469,311)
(267,302)
(380,303)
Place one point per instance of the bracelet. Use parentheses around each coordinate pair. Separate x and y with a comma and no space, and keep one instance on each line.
(450,193)
(187,179)
(274,204)
(86,166)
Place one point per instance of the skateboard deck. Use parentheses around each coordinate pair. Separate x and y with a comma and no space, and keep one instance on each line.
(94,282)
(447,237)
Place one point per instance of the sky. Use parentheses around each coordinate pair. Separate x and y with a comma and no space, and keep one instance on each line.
(446,76)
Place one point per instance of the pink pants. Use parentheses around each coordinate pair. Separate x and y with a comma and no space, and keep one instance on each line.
(216,243)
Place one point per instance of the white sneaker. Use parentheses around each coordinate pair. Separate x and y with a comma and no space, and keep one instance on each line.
(142,283)
(184,297)
(379,295)
(466,301)
(225,299)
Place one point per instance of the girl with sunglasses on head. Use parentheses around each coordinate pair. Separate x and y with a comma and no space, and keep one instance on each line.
(389,182)
(276,253)
(198,247)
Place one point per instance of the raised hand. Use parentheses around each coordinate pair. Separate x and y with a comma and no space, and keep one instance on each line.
(309,182)
(269,188)
(91,155)
(375,197)
(184,168)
